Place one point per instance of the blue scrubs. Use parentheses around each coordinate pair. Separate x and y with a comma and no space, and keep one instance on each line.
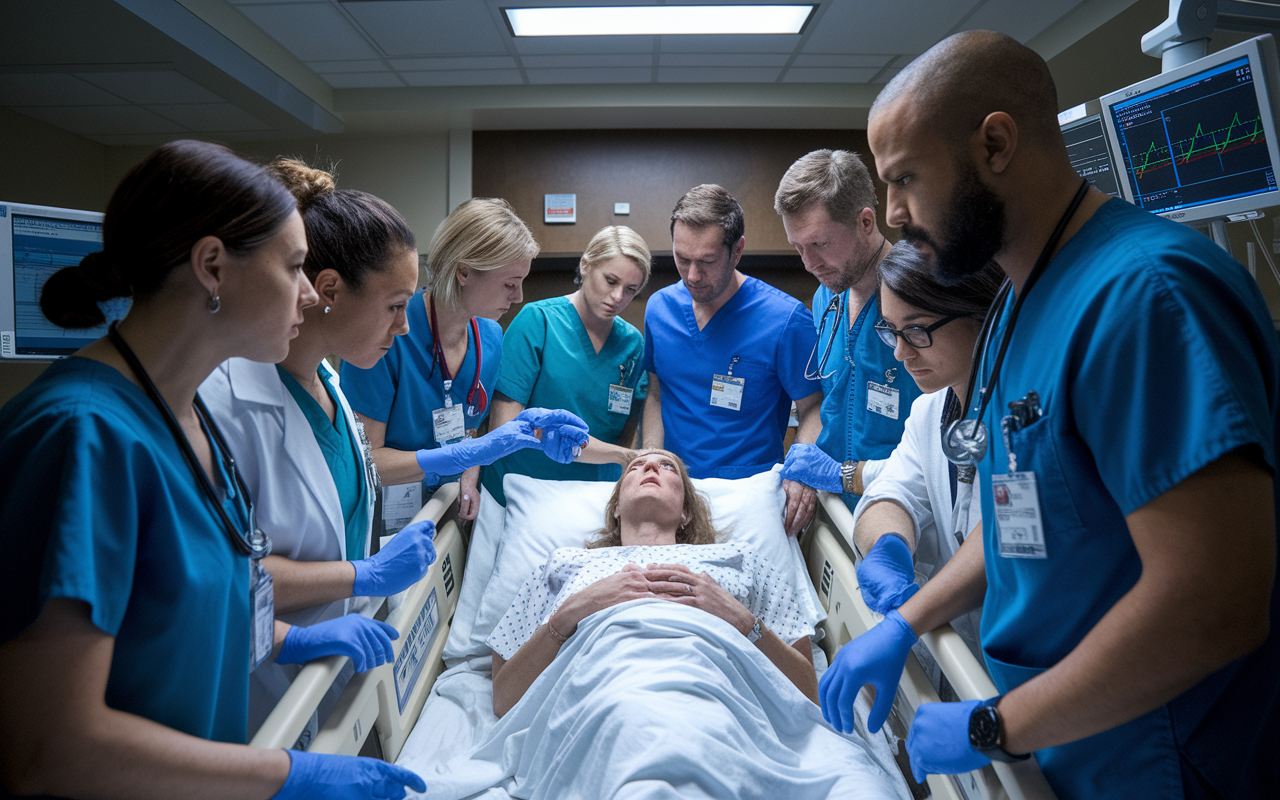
(406,385)
(850,430)
(550,362)
(1153,354)
(771,333)
(98,505)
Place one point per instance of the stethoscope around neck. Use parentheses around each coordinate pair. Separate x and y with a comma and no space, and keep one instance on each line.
(477,397)
(965,441)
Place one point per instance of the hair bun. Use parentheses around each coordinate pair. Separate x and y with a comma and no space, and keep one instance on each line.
(304,182)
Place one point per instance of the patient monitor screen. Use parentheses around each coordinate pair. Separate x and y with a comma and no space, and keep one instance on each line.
(1195,141)
(42,246)
(1087,149)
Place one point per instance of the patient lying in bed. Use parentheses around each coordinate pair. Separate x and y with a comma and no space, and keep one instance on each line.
(625,671)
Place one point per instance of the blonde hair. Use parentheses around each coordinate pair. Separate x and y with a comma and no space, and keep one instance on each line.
(483,233)
(614,241)
(837,179)
(697,528)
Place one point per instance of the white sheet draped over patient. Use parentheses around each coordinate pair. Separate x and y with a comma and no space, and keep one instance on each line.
(652,699)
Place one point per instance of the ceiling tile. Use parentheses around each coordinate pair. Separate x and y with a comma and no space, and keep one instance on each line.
(474,77)
(311,31)
(882,28)
(429,27)
(718,74)
(591,75)
(556,45)
(210,117)
(94,120)
(601,60)
(776,43)
(826,60)
(51,89)
(723,59)
(362,80)
(830,74)
(146,88)
(453,62)
(1018,18)
(359,65)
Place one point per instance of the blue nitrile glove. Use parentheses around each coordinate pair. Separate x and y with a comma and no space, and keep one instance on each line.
(452,459)
(399,565)
(366,641)
(887,576)
(938,742)
(563,434)
(345,778)
(807,464)
(876,657)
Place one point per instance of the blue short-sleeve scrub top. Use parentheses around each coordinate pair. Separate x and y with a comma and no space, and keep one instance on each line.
(1153,354)
(97,504)
(771,335)
(407,385)
(548,361)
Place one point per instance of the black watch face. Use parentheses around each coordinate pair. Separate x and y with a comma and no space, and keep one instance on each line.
(984,728)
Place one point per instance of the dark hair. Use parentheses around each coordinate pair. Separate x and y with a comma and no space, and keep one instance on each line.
(181,192)
(352,233)
(911,277)
(708,204)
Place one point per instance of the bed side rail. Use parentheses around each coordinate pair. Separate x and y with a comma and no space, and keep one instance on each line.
(831,558)
(388,697)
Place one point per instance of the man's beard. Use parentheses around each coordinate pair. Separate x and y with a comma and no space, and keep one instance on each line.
(858,267)
(973,229)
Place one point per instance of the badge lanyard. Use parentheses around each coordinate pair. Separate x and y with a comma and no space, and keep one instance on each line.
(619,394)
(477,397)
(252,542)
(726,390)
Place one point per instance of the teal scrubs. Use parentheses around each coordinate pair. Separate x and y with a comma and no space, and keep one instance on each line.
(1153,355)
(406,386)
(852,431)
(548,361)
(98,505)
(342,454)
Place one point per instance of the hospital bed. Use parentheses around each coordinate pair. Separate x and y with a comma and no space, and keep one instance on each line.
(387,701)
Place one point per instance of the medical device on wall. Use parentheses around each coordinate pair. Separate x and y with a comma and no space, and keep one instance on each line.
(1197,143)
(1092,153)
(35,242)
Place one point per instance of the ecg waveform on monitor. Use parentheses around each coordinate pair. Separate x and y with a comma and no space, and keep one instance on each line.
(1202,144)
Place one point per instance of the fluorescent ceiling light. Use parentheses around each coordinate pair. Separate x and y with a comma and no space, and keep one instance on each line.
(656,20)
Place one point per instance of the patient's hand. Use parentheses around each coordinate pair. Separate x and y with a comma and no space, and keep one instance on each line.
(629,584)
(678,583)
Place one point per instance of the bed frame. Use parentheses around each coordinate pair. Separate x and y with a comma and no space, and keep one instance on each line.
(388,699)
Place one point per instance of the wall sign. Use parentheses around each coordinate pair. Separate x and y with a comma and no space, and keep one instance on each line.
(560,208)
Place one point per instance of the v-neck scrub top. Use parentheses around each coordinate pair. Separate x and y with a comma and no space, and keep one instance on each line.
(406,386)
(549,362)
(772,335)
(97,504)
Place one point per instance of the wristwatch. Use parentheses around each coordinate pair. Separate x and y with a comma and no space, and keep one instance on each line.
(848,471)
(756,633)
(986,732)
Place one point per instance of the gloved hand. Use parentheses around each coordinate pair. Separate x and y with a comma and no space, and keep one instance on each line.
(563,434)
(876,657)
(938,742)
(366,641)
(887,576)
(807,464)
(314,775)
(452,459)
(399,565)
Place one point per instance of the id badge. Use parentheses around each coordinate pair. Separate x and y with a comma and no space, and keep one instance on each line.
(400,504)
(726,392)
(882,399)
(620,399)
(1017,504)
(262,610)
(449,424)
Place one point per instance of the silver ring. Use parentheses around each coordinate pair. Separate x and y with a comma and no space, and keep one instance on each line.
(690,589)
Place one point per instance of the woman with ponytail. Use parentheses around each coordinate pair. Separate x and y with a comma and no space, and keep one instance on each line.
(131,574)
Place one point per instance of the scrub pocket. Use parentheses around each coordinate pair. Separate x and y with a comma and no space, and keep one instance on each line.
(1036,447)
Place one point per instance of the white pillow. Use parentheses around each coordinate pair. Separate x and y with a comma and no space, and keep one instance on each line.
(544,515)
(486,536)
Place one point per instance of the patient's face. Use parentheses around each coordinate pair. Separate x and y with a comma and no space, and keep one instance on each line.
(652,488)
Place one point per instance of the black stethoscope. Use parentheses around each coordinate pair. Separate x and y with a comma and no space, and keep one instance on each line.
(836,306)
(477,397)
(252,542)
(965,441)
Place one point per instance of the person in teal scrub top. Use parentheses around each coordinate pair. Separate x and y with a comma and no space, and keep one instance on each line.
(134,604)
(576,353)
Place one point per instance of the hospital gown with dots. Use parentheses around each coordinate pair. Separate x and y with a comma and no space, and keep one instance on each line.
(767,590)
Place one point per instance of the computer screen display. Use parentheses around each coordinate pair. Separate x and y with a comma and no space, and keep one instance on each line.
(36,242)
(1198,142)
(1087,148)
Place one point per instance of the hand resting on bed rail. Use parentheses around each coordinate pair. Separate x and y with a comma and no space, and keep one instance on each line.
(654,505)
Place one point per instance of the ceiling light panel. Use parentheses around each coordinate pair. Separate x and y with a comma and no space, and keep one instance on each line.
(657,20)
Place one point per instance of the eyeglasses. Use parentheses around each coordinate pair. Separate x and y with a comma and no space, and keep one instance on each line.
(915,335)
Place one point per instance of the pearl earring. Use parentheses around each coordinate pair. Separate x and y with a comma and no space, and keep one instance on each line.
(214,304)
(327,309)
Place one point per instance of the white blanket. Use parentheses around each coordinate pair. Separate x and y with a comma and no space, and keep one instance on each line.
(651,699)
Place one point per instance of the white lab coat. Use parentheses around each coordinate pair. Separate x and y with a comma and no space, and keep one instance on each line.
(916,476)
(294,496)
